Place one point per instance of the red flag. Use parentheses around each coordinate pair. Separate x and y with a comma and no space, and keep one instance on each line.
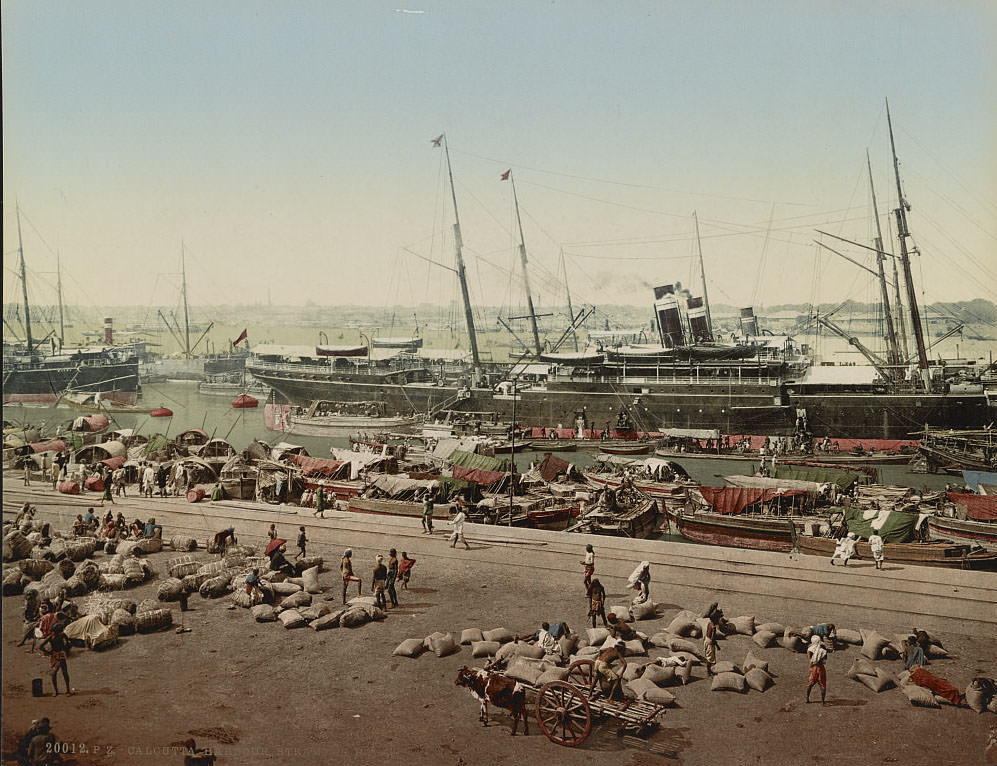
(242,337)
(505,175)
(438,140)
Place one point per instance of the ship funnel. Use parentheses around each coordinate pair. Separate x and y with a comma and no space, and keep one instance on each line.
(108,332)
(697,321)
(666,308)
(749,325)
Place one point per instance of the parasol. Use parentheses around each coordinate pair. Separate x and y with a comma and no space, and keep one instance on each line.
(274,545)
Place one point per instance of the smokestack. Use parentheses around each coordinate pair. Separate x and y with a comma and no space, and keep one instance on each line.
(666,307)
(108,334)
(697,321)
(749,325)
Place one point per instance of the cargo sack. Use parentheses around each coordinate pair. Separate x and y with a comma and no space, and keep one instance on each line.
(128,548)
(726,666)
(441,646)
(661,639)
(757,679)
(315,611)
(847,636)
(214,587)
(183,543)
(310,578)
(728,682)
(792,643)
(751,661)
(35,568)
(635,648)
(585,653)
(553,674)
(66,569)
(81,548)
(181,566)
(134,573)
(284,588)
(353,617)
(16,546)
(308,562)
(212,568)
(193,582)
(635,669)
(682,645)
(124,621)
(148,605)
(263,613)
(873,644)
(169,589)
(879,682)
(112,582)
(150,544)
(643,689)
(919,696)
(567,644)
(89,574)
(507,651)
(502,635)
(157,619)
(978,694)
(763,638)
(481,649)
(596,636)
(295,600)
(327,621)
(471,635)
(684,624)
(13,582)
(684,672)
(410,647)
(373,611)
(935,652)
(648,610)
(744,625)
(291,618)
(241,598)
(659,675)
(771,627)
(522,669)
(861,667)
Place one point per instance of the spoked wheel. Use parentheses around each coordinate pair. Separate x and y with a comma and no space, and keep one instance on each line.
(563,714)
(581,673)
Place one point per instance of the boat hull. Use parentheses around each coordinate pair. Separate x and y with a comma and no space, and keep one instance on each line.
(277,417)
(734,531)
(980,531)
(935,554)
(407,508)
(115,382)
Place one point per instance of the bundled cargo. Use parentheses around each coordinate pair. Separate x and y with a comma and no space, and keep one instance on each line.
(181,566)
(147,605)
(169,589)
(149,544)
(13,582)
(193,582)
(35,568)
(212,568)
(214,587)
(112,582)
(16,546)
(183,543)
(81,548)
(124,621)
(56,549)
(133,571)
(157,619)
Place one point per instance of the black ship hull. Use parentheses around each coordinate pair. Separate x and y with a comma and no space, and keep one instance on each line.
(762,407)
(45,383)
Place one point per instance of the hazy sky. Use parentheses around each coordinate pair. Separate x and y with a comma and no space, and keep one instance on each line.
(287,146)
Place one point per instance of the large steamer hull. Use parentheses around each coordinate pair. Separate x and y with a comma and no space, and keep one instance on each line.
(115,382)
(754,408)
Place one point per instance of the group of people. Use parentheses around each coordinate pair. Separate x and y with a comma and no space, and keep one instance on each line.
(45,621)
(457,521)
(844,551)
(383,577)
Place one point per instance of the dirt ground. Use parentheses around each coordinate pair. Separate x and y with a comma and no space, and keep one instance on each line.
(260,694)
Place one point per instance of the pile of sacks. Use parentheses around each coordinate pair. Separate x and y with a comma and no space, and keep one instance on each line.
(124,570)
(297,610)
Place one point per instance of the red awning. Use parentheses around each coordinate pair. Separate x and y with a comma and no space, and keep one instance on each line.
(97,422)
(978,507)
(736,499)
(55,445)
(551,467)
(477,474)
(114,463)
(311,466)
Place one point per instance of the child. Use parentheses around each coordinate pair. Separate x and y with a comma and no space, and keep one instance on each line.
(301,543)
(405,569)
(272,532)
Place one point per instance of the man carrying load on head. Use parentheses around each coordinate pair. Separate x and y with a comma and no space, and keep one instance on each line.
(817,655)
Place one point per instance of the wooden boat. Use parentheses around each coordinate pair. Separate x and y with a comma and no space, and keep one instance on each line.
(386,507)
(507,448)
(757,531)
(637,520)
(984,532)
(848,458)
(955,451)
(553,445)
(933,554)
(547,512)
(626,448)
(82,402)
(323,418)
(669,494)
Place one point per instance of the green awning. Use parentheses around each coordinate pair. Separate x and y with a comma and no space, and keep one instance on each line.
(156,442)
(819,475)
(451,487)
(893,526)
(477,462)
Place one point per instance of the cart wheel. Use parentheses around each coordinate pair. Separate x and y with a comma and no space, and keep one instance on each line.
(581,673)
(563,714)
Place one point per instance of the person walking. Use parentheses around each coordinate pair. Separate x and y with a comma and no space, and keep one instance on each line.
(710,643)
(302,541)
(876,545)
(319,502)
(427,516)
(55,471)
(640,581)
(148,479)
(457,522)
(58,654)
(107,491)
(817,655)
(380,581)
(844,550)
(392,576)
(589,563)
(27,472)
(405,569)
(346,567)
(597,602)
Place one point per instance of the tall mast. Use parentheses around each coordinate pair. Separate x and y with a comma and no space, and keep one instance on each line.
(702,275)
(526,276)
(24,282)
(891,333)
(186,314)
(461,272)
(901,322)
(571,311)
(62,317)
(902,233)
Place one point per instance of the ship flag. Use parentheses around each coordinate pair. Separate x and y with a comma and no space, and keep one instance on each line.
(438,140)
(240,339)
(505,175)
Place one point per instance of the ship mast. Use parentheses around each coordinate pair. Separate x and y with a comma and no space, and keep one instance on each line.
(461,272)
(186,314)
(62,317)
(902,234)
(891,333)
(526,276)
(567,291)
(702,276)
(24,283)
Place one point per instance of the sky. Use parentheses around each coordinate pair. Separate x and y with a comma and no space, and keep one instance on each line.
(285,148)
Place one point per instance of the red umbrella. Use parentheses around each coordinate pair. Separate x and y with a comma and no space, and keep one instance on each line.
(274,545)
(161,412)
(245,402)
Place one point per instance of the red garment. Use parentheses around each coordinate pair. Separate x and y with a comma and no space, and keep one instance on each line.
(818,675)
(46,624)
(405,565)
(939,686)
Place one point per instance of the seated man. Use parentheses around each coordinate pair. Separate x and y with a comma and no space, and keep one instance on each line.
(825,630)
(152,529)
(604,673)
(548,639)
(619,629)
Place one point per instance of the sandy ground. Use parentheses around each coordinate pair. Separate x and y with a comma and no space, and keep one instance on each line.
(260,694)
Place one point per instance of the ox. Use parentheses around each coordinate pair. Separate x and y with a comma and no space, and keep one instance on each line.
(491,687)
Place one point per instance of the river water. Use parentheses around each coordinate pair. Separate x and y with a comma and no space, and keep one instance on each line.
(215,415)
